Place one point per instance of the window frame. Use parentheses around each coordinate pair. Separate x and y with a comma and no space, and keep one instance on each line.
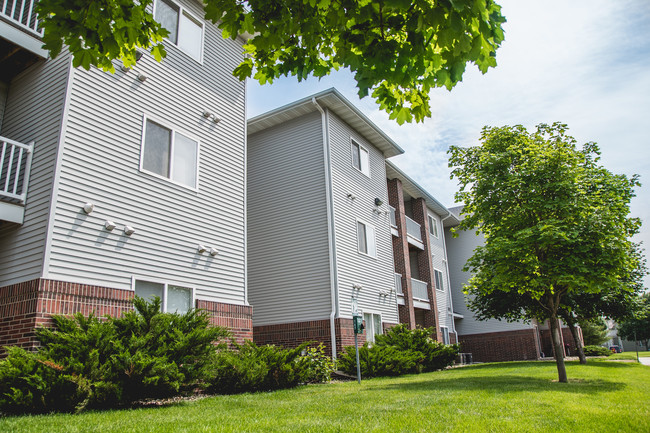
(433,223)
(166,284)
(361,147)
(372,322)
(445,335)
(374,232)
(174,131)
(184,11)
(440,287)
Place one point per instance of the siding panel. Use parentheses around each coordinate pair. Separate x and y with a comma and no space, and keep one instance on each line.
(101,165)
(33,112)
(288,255)
(374,274)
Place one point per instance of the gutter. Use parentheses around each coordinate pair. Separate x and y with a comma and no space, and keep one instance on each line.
(330,224)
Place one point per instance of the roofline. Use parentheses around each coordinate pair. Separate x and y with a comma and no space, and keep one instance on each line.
(431,201)
(394,148)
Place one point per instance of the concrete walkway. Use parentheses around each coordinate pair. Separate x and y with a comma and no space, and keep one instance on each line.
(644,361)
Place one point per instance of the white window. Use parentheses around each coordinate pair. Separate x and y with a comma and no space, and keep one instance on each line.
(169,154)
(366,239)
(437,275)
(360,159)
(373,326)
(433,226)
(445,334)
(185,30)
(175,299)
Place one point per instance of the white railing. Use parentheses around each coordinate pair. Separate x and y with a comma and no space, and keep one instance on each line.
(398,283)
(393,221)
(15,164)
(419,289)
(413,229)
(23,13)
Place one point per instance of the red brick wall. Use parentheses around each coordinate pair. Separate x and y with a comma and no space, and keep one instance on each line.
(25,306)
(294,334)
(501,346)
(567,339)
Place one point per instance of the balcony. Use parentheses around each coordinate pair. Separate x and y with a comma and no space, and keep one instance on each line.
(20,37)
(419,290)
(15,164)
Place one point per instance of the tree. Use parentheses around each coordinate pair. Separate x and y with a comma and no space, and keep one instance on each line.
(399,50)
(637,327)
(555,223)
(594,332)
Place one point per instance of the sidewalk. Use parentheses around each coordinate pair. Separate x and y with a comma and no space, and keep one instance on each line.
(645,361)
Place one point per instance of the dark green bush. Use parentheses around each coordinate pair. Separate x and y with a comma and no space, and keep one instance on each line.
(111,362)
(400,351)
(31,384)
(250,368)
(596,351)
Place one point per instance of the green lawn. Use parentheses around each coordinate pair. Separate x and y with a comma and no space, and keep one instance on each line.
(506,397)
(629,355)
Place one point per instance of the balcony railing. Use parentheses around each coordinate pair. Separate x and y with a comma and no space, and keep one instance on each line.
(413,229)
(419,289)
(15,164)
(398,283)
(393,220)
(21,12)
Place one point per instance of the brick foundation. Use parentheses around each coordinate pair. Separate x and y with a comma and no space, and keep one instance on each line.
(28,305)
(294,334)
(501,346)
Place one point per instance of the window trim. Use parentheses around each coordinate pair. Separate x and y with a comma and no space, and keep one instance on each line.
(183,10)
(442,285)
(443,335)
(381,320)
(435,224)
(360,170)
(166,284)
(165,125)
(356,226)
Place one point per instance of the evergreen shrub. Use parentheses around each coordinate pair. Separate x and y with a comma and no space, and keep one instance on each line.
(596,351)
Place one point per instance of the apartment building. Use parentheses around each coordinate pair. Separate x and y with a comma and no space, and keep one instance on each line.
(119,184)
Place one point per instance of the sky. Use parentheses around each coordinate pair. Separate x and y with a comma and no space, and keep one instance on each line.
(583,63)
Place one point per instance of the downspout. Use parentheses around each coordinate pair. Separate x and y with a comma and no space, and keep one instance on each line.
(330,225)
(449,296)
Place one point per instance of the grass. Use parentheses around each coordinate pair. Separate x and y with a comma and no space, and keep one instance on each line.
(629,355)
(506,397)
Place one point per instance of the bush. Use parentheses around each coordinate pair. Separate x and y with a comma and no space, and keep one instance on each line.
(106,363)
(318,366)
(398,352)
(596,351)
(31,384)
(250,368)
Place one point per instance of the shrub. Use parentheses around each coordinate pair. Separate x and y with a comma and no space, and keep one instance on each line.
(250,368)
(105,363)
(596,351)
(400,351)
(31,384)
(318,365)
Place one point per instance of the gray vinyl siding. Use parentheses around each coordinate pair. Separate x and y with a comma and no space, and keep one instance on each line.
(439,258)
(288,250)
(374,274)
(101,161)
(33,112)
(460,249)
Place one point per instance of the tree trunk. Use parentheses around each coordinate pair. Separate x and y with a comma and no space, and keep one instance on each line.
(559,350)
(576,339)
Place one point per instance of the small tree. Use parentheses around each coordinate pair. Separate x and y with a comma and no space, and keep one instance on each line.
(637,327)
(594,332)
(555,222)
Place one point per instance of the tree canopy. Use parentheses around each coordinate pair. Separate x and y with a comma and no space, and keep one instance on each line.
(397,50)
(638,326)
(556,223)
